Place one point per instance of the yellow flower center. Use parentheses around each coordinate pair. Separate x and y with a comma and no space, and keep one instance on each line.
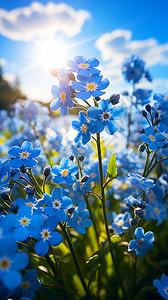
(30,204)
(105,115)
(63,96)
(83,66)
(24,155)
(140,180)
(25,285)
(5,177)
(4,264)
(120,223)
(45,234)
(91,86)
(139,242)
(56,204)
(157,211)
(24,221)
(84,128)
(64,172)
(152,137)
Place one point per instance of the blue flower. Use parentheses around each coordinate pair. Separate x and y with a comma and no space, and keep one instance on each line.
(142,243)
(156,210)
(83,66)
(133,69)
(162,286)
(144,183)
(142,96)
(121,223)
(24,223)
(56,204)
(4,172)
(153,139)
(65,172)
(91,86)
(63,100)
(11,262)
(24,155)
(84,129)
(29,284)
(80,218)
(105,117)
(46,236)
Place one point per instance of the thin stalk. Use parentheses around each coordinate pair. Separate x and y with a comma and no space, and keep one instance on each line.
(105,215)
(88,206)
(66,234)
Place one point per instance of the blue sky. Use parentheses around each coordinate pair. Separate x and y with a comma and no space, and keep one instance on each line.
(38,35)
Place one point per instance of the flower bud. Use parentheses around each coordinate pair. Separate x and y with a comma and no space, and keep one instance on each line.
(139,212)
(85,178)
(142,131)
(29,190)
(148,108)
(47,171)
(14,207)
(115,98)
(71,76)
(71,157)
(97,98)
(23,169)
(142,204)
(144,113)
(54,73)
(141,148)
(133,222)
(81,158)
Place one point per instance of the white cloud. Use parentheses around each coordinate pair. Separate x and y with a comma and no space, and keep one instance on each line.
(117,46)
(2,62)
(38,20)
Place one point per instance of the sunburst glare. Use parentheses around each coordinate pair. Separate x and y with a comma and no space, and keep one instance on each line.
(50,52)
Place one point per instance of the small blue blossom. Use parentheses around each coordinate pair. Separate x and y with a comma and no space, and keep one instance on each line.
(29,284)
(65,172)
(133,69)
(84,67)
(24,223)
(162,286)
(11,262)
(142,243)
(56,204)
(144,183)
(80,218)
(24,155)
(46,236)
(84,127)
(91,86)
(121,223)
(4,172)
(105,116)
(153,139)
(156,210)
(62,99)
(142,96)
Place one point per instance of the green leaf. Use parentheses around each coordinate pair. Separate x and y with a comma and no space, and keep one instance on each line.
(115,238)
(112,167)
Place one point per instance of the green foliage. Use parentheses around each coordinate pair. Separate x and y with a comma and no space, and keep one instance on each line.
(112,167)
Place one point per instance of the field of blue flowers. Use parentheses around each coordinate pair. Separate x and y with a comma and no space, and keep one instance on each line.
(85,217)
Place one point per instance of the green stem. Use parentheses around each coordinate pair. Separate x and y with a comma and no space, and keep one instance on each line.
(105,215)
(146,163)
(51,264)
(66,234)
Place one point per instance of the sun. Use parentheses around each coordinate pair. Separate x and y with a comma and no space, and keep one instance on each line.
(50,52)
